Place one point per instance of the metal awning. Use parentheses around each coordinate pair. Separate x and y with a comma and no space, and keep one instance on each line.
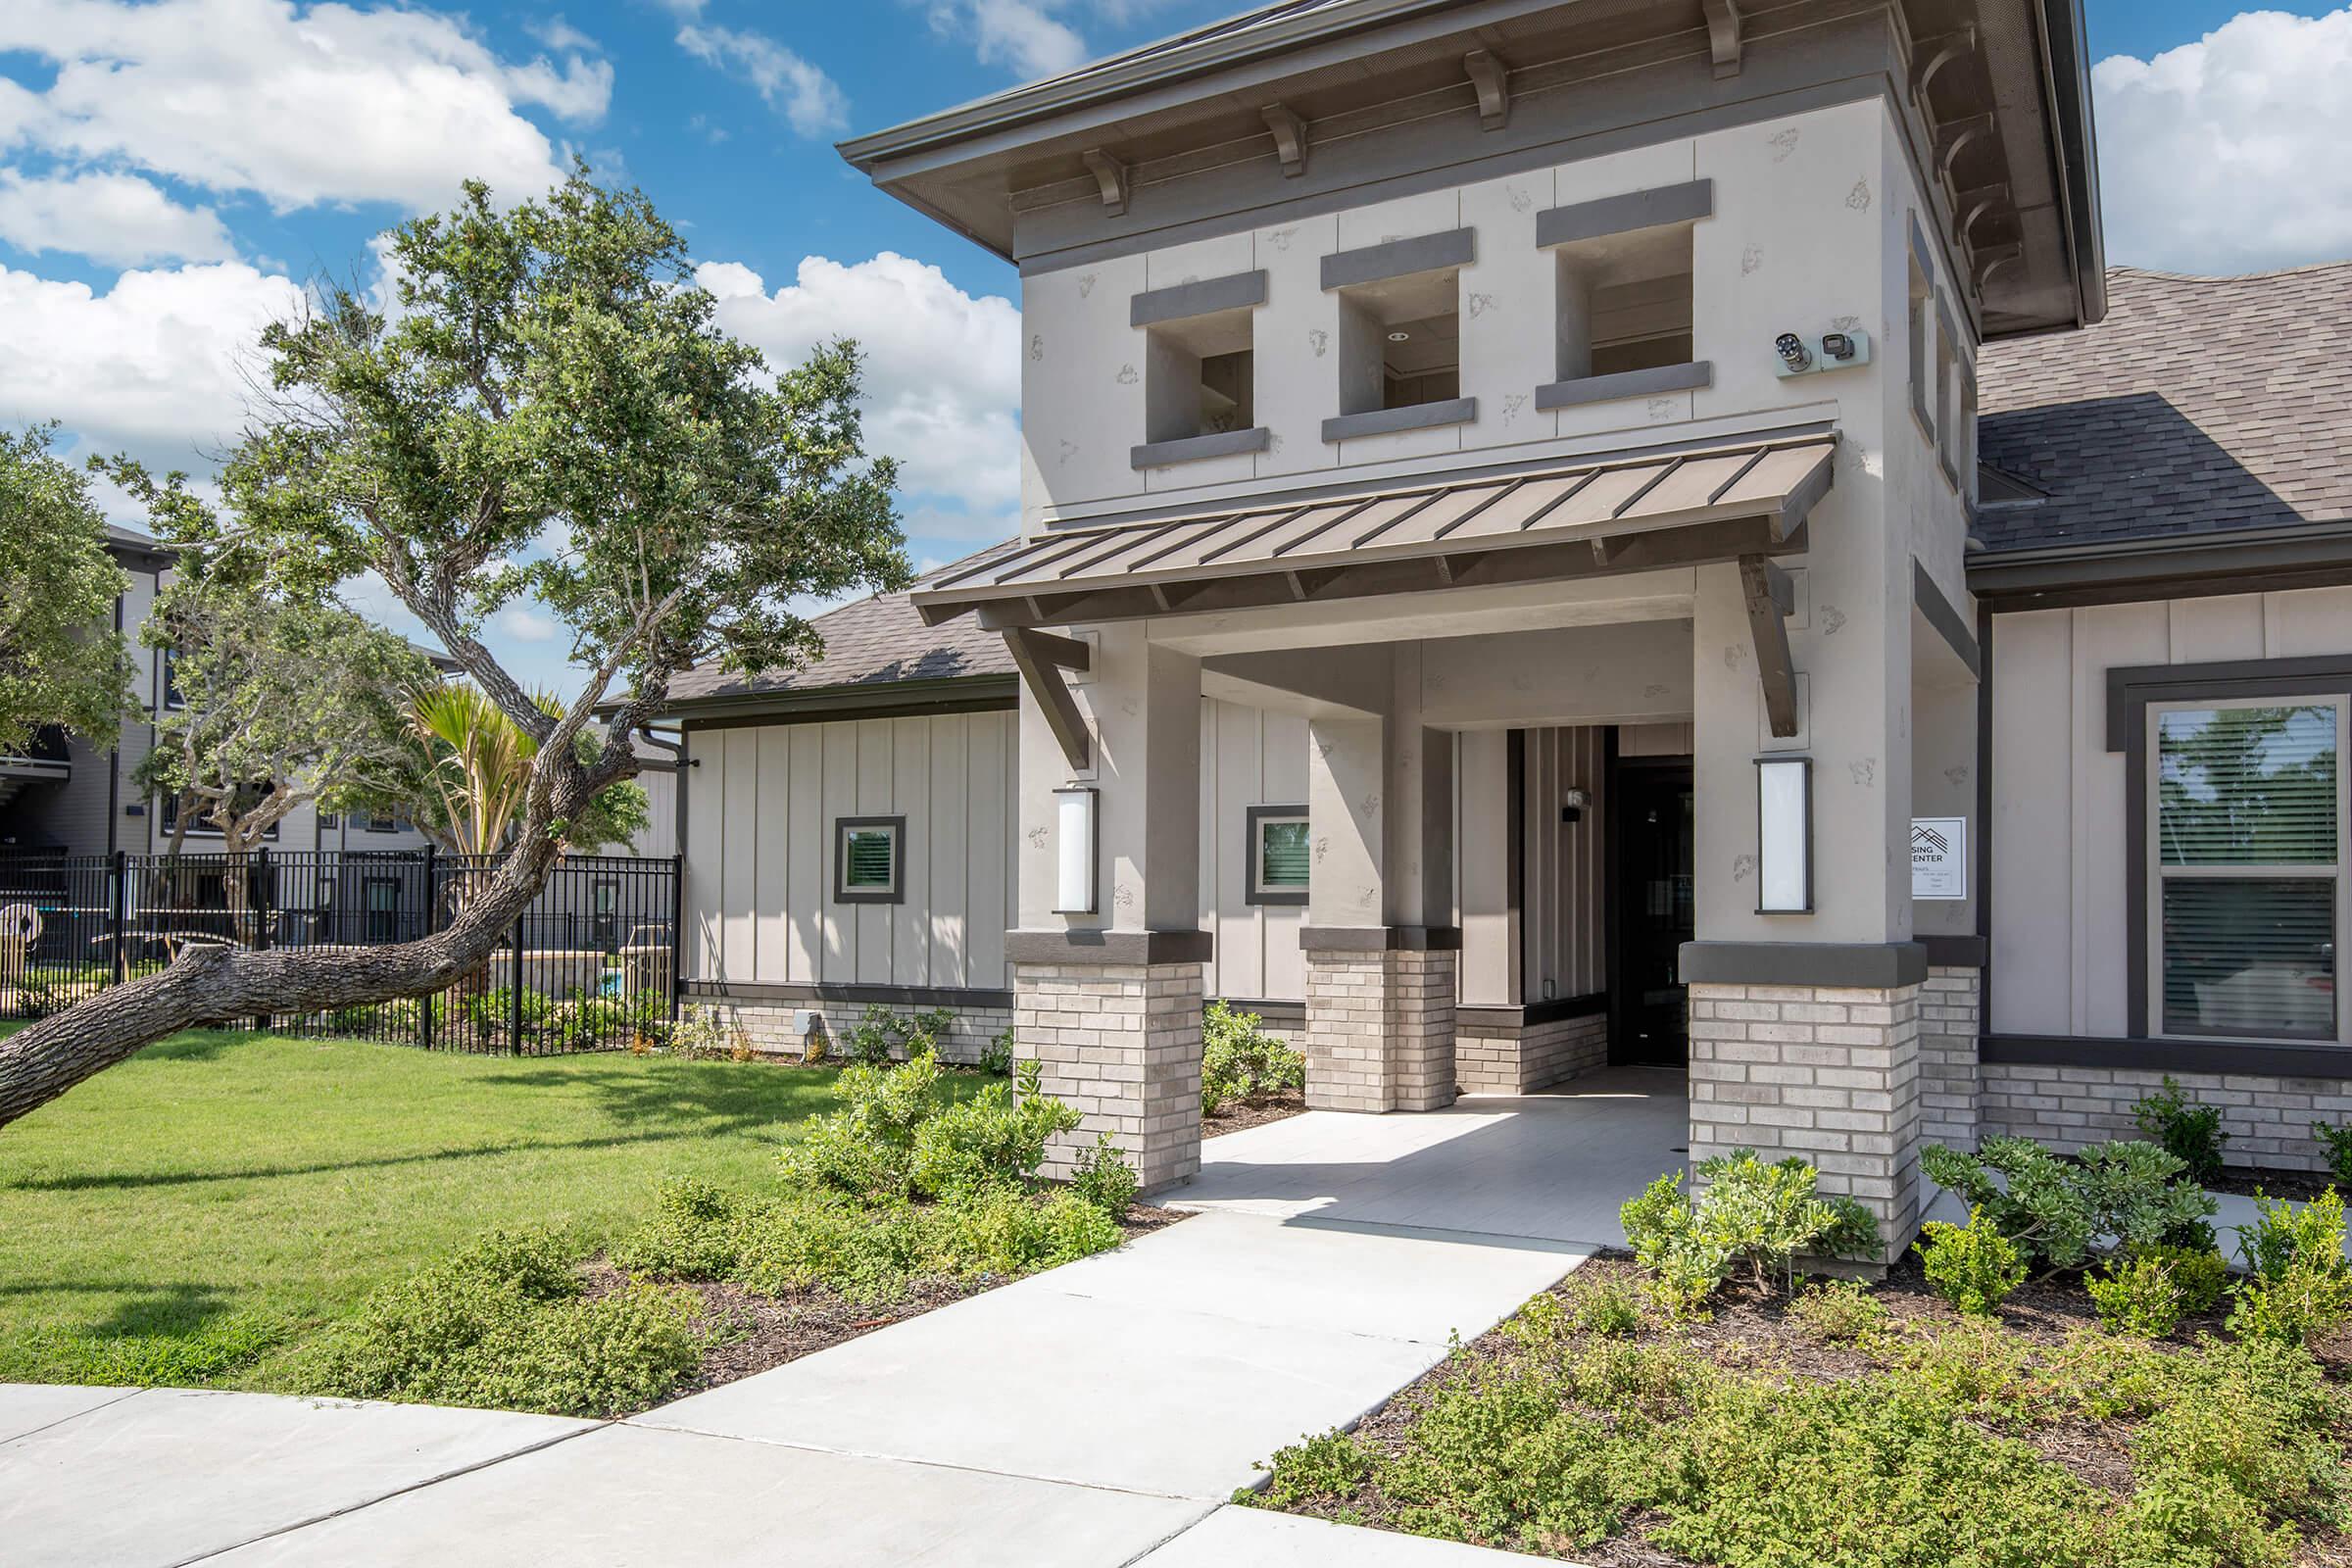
(1593,517)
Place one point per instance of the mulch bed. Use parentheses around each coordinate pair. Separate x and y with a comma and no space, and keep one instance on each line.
(2247,1181)
(1236,1115)
(758,1333)
(1750,1333)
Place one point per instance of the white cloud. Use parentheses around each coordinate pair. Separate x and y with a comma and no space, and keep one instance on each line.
(810,101)
(1031,37)
(943,374)
(328,104)
(117,219)
(155,363)
(2228,154)
(527,626)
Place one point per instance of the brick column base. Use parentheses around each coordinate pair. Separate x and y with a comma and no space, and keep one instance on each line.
(1950,1011)
(1829,1074)
(1121,1044)
(1379,1029)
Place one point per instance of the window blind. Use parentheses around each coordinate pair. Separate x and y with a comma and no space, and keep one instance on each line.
(1282,853)
(867,858)
(2248,786)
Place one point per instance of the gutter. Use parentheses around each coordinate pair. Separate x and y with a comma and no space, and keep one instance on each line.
(2172,565)
(2066,73)
(871,699)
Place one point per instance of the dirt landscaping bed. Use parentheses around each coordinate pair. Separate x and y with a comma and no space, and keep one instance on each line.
(1237,1114)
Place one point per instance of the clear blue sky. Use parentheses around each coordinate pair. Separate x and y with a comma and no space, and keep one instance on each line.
(171,170)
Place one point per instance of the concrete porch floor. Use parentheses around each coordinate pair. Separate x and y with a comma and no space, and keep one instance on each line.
(1553,1166)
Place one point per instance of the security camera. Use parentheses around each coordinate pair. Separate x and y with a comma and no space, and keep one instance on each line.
(1792,352)
(1837,346)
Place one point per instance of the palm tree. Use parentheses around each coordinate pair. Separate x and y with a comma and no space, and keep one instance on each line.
(481,761)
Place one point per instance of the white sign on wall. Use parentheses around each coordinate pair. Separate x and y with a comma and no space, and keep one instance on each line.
(1940,856)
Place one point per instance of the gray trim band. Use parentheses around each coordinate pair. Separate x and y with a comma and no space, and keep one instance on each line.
(1626,384)
(1083,944)
(826,991)
(2164,1056)
(1193,447)
(1844,966)
(1622,214)
(1591,1004)
(1237,291)
(1388,421)
(1272,1012)
(1956,952)
(1379,939)
(1399,257)
(1944,618)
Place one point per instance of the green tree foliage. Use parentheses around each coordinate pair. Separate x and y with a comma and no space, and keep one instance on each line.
(62,663)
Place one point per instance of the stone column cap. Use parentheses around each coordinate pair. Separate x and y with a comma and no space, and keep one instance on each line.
(1083,944)
(1839,965)
(1379,939)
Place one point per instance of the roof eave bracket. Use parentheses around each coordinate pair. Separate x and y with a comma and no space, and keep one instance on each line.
(1492,81)
(1723,35)
(1042,657)
(1289,138)
(1115,179)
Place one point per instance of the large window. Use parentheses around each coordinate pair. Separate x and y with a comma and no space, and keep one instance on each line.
(2246,869)
(1280,852)
(866,855)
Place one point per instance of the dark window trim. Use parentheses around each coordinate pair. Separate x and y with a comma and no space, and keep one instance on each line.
(2284,1060)
(1252,893)
(2130,691)
(896,893)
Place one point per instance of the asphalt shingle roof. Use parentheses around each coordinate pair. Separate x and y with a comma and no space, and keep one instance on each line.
(2199,405)
(870,643)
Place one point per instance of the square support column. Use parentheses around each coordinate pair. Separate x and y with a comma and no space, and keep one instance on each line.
(1380,947)
(1107,999)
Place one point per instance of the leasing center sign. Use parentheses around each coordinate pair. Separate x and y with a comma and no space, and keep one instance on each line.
(1939,857)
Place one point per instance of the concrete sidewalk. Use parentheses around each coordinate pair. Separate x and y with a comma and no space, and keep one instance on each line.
(1094,1416)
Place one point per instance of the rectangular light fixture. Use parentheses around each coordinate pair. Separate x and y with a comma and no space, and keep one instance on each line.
(1074,847)
(1784,835)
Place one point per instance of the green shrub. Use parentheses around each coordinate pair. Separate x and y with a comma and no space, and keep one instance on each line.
(2189,1132)
(503,1324)
(2055,1208)
(2299,1285)
(1973,1267)
(695,1234)
(2337,1142)
(1838,1311)
(866,1147)
(1765,1215)
(995,1137)
(1240,1062)
(883,1034)
(1608,1310)
(1332,1465)
(996,1057)
(998,1231)
(1105,1179)
(2135,1292)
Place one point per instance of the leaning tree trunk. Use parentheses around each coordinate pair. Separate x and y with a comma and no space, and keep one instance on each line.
(213,983)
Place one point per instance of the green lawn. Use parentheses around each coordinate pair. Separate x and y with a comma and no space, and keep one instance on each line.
(189,1215)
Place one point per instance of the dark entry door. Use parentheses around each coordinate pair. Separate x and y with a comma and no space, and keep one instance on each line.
(1654,914)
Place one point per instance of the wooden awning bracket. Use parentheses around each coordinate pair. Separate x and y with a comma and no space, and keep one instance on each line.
(1771,600)
(1041,657)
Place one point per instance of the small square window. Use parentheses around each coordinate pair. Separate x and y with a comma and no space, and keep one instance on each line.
(1201,377)
(1400,342)
(866,852)
(1280,852)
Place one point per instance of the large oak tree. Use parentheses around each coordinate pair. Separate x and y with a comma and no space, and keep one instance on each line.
(542,407)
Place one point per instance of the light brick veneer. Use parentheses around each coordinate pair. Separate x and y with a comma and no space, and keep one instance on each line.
(769,1025)
(1121,1043)
(1491,1060)
(1828,1074)
(1379,1030)
(1950,1005)
(2267,1119)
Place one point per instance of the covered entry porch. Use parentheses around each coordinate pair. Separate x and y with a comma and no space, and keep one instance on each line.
(1423,635)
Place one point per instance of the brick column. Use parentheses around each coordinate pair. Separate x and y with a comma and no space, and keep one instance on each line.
(1950,1009)
(1829,1074)
(1379,1027)
(1121,1044)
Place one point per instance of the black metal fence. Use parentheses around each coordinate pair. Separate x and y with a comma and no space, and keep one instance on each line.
(591,965)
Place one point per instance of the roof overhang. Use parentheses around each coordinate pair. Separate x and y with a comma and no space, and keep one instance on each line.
(1592,517)
(894,699)
(2186,565)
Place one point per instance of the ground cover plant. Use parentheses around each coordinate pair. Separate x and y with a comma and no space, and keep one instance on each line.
(204,1212)
(1982,1407)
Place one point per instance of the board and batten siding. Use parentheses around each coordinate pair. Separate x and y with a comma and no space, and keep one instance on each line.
(1249,757)
(2059,859)
(1565,953)
(761,809)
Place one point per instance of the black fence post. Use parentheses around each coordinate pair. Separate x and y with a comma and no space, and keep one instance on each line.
(677,932)
(433,923)
(257,903)
(117,915)
(514,995)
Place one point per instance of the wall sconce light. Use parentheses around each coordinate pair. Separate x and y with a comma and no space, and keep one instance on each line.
(1076,842)
(1572,804)
(1784,835)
